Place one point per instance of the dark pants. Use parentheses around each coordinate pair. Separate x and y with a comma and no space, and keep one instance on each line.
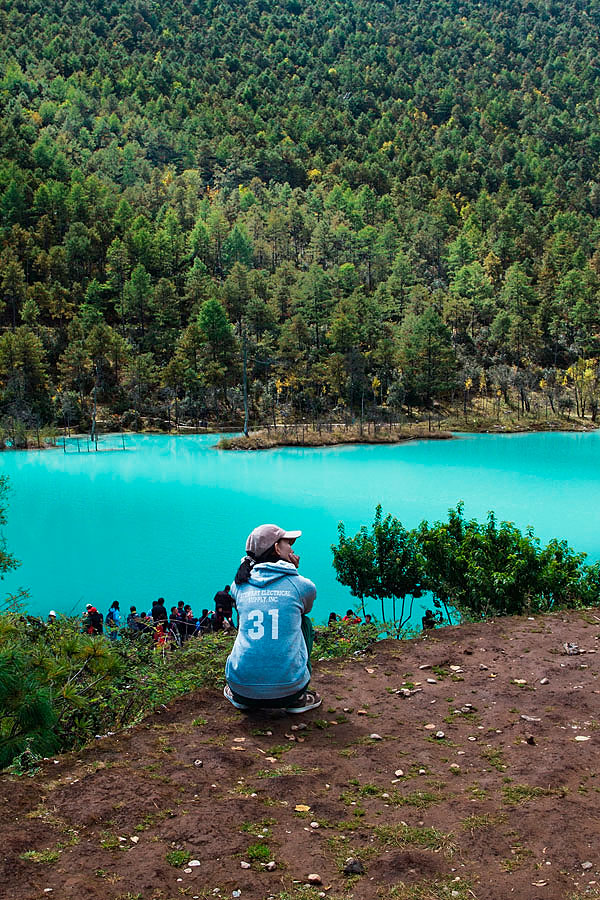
(281,702)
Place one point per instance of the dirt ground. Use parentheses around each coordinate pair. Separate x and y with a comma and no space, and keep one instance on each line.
(461,765)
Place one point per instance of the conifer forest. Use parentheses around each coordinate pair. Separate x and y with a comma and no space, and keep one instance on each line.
(340,208)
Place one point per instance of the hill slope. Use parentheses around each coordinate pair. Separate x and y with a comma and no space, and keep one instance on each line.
(504,804)
(396,203)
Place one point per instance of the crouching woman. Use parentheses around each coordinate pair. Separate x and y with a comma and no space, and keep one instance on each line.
(269,665)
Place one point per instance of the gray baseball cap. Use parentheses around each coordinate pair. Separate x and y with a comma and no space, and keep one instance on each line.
(264,536)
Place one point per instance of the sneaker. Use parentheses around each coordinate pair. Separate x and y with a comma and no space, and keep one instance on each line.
(229,696)
(308,700)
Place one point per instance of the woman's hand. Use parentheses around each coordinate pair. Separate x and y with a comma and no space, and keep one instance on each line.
(283,548)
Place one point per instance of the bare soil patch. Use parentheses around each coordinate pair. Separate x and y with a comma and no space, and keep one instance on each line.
(461,765)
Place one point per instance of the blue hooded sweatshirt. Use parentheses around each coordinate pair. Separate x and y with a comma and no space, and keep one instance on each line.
(269,657)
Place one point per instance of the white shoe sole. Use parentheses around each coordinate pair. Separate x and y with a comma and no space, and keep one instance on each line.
(228,696)
(301,709)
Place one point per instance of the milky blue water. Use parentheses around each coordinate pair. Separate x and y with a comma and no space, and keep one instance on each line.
(169,516)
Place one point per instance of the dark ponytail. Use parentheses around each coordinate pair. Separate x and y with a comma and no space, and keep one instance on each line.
(243,573)
(248,563)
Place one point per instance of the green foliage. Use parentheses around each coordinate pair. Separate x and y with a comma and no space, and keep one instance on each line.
(491,568)
(59,688)
(258,852)
(391,224)
(341,639)
(480,569)
(27,716)
(383,563)
(178,858)
(7,561)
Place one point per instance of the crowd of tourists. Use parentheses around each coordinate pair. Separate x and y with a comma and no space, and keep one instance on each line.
(180,623)
(174,626)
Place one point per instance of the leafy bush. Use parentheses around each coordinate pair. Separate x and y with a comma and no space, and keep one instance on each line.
(479,569)
(341,639)
(59,688)
(383,563)
(27,715)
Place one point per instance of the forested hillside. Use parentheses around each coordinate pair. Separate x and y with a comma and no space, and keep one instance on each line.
(387,204)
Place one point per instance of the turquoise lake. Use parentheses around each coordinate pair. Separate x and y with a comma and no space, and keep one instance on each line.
(169,516)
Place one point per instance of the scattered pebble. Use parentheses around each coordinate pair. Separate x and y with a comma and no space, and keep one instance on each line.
(245,865)
(134,839)
(586,865)
(198,762)
(471,738)
(545,681)
(429,727)
(431,681)
(271,865)
(193,863)
(236,893)
(399,773)
(314,824)
(314,879)
(439,735)
(531,719)
(375,737)
(188,871)
(582,737)
(422,771)
(455,766)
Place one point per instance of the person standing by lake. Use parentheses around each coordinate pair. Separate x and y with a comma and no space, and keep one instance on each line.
(92,620)
(113,621)
(269,665)
(223,604)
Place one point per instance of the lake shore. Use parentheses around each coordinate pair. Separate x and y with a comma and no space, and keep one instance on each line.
(267,437)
